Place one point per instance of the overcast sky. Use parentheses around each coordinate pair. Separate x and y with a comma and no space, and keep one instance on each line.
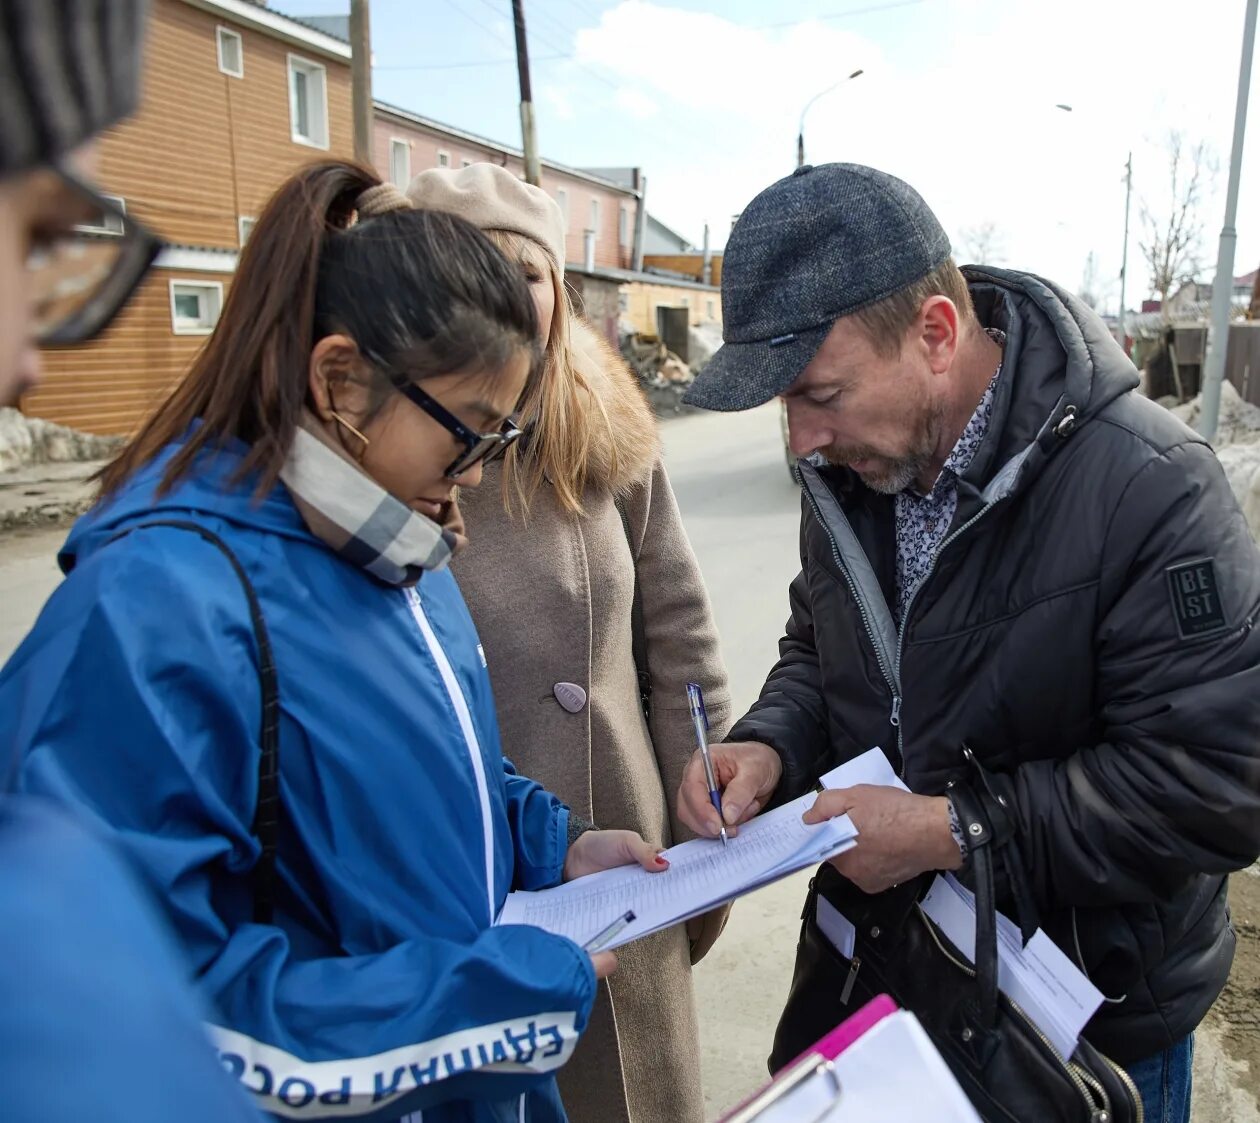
(958,97)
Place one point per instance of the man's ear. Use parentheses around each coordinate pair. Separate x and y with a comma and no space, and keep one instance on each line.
(938,331)
(331,378)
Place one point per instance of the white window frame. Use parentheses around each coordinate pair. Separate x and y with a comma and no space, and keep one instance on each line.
(310,68)
(241,236)
(623,227)
(88,228)
(396,143)
(221,33)
(443,158)
(595,216)
(710,308)
(562,201)
(215,291)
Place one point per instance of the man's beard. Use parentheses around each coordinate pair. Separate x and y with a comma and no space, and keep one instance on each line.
(889,475)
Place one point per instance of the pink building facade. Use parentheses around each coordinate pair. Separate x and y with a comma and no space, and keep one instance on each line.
(405,144)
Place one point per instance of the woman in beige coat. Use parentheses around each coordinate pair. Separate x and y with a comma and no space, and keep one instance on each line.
(553,605)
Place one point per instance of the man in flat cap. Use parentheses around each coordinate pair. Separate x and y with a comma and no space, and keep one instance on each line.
(98,1020)
(1009,554)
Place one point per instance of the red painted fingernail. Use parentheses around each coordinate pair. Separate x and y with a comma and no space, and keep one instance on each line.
(662,861)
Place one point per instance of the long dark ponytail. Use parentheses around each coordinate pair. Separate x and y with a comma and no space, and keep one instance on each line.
(421,293)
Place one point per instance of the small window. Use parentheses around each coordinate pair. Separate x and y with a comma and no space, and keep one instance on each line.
(195,306)
(308,102)
(562,197)
(106,222)
(244,228)
(465,162)
(623,225)
(399,163)
(231,53)
(595,217)
(444,159)
(709,309)
(623,301)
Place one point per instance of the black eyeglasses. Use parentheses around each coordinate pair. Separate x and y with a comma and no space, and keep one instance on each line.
(478,447)
(81,279)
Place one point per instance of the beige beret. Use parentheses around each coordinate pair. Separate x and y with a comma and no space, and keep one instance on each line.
(492,198)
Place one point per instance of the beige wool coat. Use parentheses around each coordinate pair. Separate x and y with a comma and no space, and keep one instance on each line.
(551,598)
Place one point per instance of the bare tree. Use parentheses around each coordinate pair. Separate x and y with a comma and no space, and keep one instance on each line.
(1172,242)
(981,244)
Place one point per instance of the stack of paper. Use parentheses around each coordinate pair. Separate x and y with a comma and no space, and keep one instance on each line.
(1037,976)
(702,874)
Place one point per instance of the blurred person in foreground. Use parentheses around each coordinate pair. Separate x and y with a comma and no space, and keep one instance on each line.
(97,1018)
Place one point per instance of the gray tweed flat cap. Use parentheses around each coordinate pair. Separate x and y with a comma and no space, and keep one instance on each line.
(820,244)
(68,69)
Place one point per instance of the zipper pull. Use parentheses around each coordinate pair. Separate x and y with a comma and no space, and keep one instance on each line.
(850,979)
(894,719)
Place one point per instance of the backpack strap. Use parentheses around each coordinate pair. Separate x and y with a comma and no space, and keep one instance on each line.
(267,810)
(638,635)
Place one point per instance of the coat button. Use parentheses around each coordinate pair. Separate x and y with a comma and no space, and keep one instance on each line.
(571,696)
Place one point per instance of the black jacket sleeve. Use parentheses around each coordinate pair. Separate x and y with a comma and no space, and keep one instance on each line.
(791,714)
(1173,787)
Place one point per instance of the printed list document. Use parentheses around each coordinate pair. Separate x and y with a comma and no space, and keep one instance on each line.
(702,874)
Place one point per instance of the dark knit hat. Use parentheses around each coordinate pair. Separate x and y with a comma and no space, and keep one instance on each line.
(68,69)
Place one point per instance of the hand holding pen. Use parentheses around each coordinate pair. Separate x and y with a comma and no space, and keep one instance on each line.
(744,774)
(700,721)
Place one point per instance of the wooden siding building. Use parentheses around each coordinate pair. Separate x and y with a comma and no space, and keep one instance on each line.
(235,98)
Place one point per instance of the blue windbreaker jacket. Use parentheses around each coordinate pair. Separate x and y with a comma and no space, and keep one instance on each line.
(383,987)
(97,1018)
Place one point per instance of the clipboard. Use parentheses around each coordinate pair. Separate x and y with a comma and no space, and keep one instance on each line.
(875,1067)
(816,1063)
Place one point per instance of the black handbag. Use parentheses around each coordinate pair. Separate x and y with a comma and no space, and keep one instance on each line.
(1005,1064)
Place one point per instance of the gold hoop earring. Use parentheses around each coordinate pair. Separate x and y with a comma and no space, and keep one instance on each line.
(346,424)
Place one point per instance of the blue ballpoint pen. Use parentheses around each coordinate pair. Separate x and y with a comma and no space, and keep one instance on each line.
(700,719)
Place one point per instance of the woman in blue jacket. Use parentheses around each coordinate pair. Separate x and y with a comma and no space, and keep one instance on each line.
(264,580)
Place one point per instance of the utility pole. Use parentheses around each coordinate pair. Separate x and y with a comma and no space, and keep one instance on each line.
(1223,284)
(529,139)
(361,79)
(1124,260)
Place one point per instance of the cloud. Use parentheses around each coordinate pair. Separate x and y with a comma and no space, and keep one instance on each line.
(636,103)
(958,99)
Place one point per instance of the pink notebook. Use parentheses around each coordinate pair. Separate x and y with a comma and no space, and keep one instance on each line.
(827,1048)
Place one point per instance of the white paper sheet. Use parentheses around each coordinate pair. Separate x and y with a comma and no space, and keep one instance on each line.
(1046,985)
(871,767)
(891,1074)
(703,874)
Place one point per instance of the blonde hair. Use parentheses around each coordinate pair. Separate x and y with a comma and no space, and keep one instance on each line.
(561,409)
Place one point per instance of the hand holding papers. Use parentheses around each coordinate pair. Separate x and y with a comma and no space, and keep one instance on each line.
(702,875)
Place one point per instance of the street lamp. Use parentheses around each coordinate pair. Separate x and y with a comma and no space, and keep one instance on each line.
(800,132)
(1124,260)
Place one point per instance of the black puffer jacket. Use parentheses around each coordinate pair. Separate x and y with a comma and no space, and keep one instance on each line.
(1088,630)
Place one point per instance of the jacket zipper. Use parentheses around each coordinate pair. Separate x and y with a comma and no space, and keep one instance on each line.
(464,716)
(914,596)
(1091,1104)
(889,672)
